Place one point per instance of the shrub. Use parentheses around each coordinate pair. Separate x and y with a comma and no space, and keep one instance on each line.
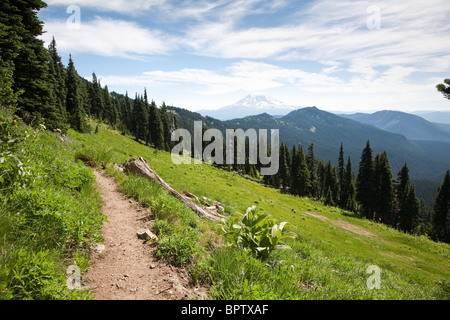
(258,232)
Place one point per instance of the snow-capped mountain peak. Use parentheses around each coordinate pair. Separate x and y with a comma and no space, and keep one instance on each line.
(253,104)
(260,100)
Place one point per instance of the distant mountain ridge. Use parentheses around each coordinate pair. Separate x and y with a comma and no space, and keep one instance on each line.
(434,116)
(253,104)
(426,159)
(411,126)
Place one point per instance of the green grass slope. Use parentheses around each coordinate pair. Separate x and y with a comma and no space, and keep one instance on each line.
(328,260)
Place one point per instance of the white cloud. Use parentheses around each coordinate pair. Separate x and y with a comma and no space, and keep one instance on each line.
(413,38)
(108,37)
(120,6)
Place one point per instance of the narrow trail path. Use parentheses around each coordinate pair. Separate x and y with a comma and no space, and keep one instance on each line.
(127,269)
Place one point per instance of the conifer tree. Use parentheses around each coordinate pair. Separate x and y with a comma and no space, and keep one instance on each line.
(96,97)
(58,75)
(365,183)
(140,119)
(156,127)
(408,205)
(24,53)
(329,198)
(166,122)
(384,189)
(74,103)
(330,182)
(284,169)
(321,173)
(349,192)
(8,97)
(300,174)
(341,177)
(311,161)
(441,211)
(125,112)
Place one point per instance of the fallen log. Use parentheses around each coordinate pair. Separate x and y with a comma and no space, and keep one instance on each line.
(141,167)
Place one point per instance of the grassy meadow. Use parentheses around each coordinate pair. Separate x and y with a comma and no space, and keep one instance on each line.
(328,260)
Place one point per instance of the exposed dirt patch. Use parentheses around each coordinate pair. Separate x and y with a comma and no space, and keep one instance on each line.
(127,268)
(344,225)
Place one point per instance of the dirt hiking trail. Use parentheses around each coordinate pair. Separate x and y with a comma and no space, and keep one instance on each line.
(126,268)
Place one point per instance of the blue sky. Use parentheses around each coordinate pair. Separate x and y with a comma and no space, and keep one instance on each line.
(336,55)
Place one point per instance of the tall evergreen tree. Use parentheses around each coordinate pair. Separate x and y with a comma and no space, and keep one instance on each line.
(156,127)
(311,161)
(284,169)
(349,192)
(74,102)
(408,204)
(166,122)
(8,97)
(140,119)
(26,54)
(96,97)
(384,189)
(321,174)
(341,178)
(441,211)
(330,183)
(365,184)
(58,75)
(300,175)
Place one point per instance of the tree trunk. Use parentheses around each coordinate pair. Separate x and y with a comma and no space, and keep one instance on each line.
(141,167)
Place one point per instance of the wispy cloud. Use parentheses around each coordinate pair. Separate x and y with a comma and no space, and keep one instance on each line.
(119,6)
(265,44)
(109,37)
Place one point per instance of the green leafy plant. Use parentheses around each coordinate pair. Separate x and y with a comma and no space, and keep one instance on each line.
(258,232)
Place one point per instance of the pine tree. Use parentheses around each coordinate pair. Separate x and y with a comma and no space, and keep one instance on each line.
(108,113)
(441,211)
(330,182)
(329,198)
(25,54)
(365,184)
(341,177)
(96,98)
(58,75)
(321,173)
(166,122)
(156,127)
(384,193)
(74,103)
(300,174)
(7,95)
(284,169)
(410,211)
(140,119)
(126,113)
(311,161)
(408,204)
(349,192)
